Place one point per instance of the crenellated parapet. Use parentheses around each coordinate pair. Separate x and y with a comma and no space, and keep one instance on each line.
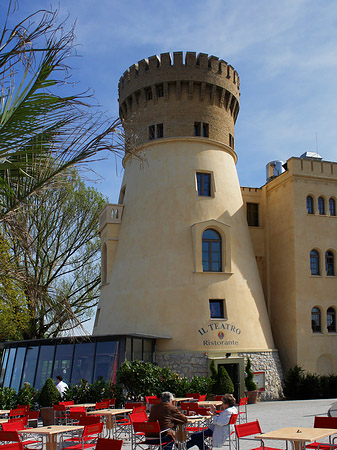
(178,93)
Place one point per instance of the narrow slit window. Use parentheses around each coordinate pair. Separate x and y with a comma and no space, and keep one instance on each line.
(204,184)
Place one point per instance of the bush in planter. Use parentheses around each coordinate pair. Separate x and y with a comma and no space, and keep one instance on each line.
(220,382)
(49,394)
(249,382)
(26,396)
(8,398)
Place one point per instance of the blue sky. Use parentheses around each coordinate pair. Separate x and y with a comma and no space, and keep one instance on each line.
(285,52)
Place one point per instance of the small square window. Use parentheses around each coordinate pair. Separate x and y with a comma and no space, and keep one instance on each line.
(204,184)
(216,308)
(160,90)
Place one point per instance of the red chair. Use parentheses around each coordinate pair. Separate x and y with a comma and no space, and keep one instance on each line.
(202,398)
(67,403)
(23,420)
(230,441)
(131,405)
(139,409)
(17,412)
(89,420)
(153,435)
(33,418)
(76,413)
(88,438)
(203,411)
(150,397)
(13,436)
(324,422)
(189,406)
(14,446)
(61,414)
(109,444)
(102,405)
(112,402)
(218,398)
(13,426)
(26,407)
(242,410)
(247,431)
(195,395)
(136,417)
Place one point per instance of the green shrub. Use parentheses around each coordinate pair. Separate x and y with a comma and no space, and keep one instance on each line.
(249,382)
(220,381)
(26,396)
(8,398)
(49,394)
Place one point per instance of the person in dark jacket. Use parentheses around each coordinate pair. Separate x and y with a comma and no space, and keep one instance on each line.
(168,417)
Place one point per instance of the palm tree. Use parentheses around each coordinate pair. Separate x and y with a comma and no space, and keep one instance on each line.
(42,133)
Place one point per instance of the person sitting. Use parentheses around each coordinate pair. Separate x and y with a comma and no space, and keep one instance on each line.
(168,417)
(219,428)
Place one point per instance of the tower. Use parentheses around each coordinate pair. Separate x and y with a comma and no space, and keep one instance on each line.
(177,257)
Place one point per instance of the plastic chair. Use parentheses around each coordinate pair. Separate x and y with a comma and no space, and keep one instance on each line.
(156,439)
(109,444)
(247,431)
(324,422)
(242,410)
(88,438)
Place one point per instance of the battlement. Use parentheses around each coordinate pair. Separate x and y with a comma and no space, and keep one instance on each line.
(201,67)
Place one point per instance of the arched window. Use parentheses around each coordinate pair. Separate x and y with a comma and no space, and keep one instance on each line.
(332,206)
(329,264)
(310,205)
(316,320)
(331,320)
(314,262)
(321,206)
(211,251)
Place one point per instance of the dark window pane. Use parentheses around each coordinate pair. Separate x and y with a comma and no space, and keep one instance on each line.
(147,357)
(4,364)
(83,364)
(106,360)
(329,264)
(9,368)
(314,262)
(321,205)
(332,207)
(30,366)
(310,205)
(63,360)
(211,251)
(17,372)
(137,349)
(331,320)
(204,184)
(44,367)
(253,214)
(216,309)
(316,320)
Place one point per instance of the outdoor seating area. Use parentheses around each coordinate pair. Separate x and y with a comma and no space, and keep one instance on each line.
(101,426)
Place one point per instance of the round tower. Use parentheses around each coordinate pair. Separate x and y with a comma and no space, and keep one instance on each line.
(177,256)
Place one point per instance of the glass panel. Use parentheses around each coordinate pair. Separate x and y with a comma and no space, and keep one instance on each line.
(329,264)
(63,361)
(137,349)
(330,319)
(210,234)
(321,206)
(10,363)
(4,364)
(16,377)
(44,366)
(216,309)
(314,262)
(147,356)
(310,205)
(30,365)
(83,362)
(106,360)
(128,355)
(332,207)
(316,320)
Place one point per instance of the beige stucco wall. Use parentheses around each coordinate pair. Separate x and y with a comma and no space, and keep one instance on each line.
(155,286)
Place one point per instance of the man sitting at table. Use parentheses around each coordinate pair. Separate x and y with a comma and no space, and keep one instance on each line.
(219,428)
(168,417)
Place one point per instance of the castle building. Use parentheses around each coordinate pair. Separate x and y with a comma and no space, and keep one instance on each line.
(178,260)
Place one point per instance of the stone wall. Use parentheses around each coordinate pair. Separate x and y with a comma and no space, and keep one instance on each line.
(189,364)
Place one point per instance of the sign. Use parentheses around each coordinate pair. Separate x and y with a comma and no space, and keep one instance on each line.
(259,379)
(224,334)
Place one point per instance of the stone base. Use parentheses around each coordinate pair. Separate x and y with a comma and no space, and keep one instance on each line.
(189,364)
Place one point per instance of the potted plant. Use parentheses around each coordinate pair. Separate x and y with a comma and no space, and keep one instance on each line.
(48,397)
(251,386)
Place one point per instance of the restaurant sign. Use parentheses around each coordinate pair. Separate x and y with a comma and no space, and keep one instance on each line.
(219,339)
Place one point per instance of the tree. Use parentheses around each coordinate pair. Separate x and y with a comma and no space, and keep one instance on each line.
(249,382)
(53,242)
(42,132)
(222,383)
